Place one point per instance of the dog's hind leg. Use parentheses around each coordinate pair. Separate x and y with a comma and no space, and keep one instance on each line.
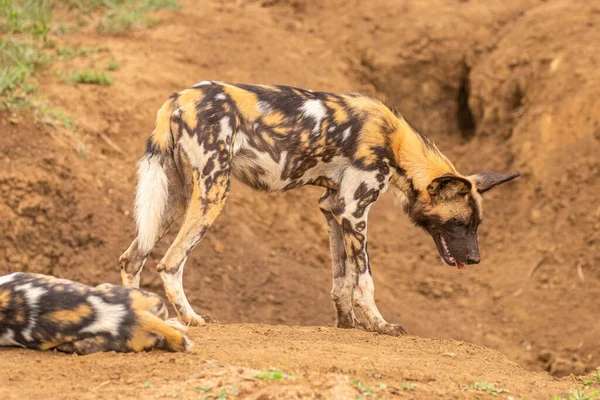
(133,259)
(343,282)
(205,204)
(205,163)
(160,201)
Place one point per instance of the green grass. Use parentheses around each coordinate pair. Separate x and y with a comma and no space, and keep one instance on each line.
(578,394)
(589,390)
(125,15)
(113,66)
(18,61)
(87,76)
(60,117)
(273,374)
(28,35)
(206,392)
(409,386)
(68,52)
(24,26)
(595,380)
(365,392)
(485,387)
(25,16)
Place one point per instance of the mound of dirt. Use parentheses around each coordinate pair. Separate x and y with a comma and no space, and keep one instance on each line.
(505,86)
(234,361)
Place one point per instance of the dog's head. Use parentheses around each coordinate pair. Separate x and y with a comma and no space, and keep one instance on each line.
(450,210)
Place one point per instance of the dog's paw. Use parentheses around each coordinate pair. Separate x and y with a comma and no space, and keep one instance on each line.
(391,329)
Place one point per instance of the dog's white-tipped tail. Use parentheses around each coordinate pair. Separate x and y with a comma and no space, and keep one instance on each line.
(151,200)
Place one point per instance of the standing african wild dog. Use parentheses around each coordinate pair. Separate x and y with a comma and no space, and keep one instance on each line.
(276,138)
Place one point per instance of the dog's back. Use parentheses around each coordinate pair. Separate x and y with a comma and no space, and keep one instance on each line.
(43,312)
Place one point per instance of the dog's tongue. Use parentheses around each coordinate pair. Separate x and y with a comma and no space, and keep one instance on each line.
(458,265)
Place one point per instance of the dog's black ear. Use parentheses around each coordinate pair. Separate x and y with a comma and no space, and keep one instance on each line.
(484,181)
(448,186)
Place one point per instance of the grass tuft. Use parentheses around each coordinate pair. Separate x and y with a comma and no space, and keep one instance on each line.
(68,52)
(18,60)
(409,386)
(87,76)
(113,66)
(584,392)
(485,387)
(578,394)
(125,15)
(272,374)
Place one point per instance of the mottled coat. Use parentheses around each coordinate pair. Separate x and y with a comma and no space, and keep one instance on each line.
(43,312)
(276,138)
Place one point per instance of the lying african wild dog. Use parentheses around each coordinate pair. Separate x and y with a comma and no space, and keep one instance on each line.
(42,312)
(276,138)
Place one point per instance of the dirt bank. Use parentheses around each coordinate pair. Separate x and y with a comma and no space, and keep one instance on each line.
(505,87)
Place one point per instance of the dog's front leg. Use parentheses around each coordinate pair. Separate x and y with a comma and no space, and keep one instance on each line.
(355,243)
(359,190)
(343,279)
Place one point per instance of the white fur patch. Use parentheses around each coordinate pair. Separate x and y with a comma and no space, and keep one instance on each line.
(108,317)
(150,200)
(203,83)
(192,149)
(8,278)
(353,178)
(8,339)
(273,170)
(365,297)
(346,134)
(197,154)
(32,295)
(241,141)
(174,287)
(225,129)
(221,96)
(316,110)
(263,107)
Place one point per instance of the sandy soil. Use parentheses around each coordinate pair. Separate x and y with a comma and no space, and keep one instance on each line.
(504,86)
(318,363)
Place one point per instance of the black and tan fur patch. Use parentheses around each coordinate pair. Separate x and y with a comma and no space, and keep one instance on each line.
(43,312)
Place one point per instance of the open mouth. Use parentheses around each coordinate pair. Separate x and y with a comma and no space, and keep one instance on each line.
(447,256)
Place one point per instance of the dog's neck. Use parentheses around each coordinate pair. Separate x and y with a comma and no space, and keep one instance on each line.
(418,161)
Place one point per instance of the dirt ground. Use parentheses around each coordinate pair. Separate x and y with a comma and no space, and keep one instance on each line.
(318,363)
(505,86)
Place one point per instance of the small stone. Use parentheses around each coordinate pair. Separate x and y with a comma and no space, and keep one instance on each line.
(218,247)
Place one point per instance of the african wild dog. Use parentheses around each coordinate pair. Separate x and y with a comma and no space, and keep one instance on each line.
(276,138)
(42,312)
